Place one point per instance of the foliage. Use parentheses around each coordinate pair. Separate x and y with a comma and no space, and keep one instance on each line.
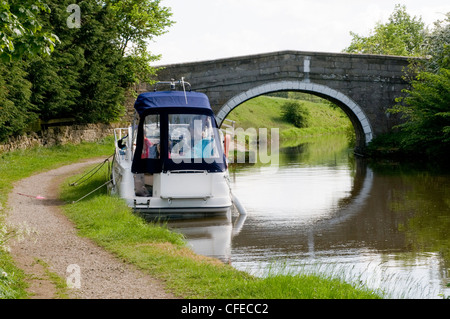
(16,111)
(21,32)
(425,130)
(401,35)
(425,106)
(426,109)
(101,87)
(87,76)
(12,279)
(138,21)
(56,81)
(21,36)
(437,46)
(295,113)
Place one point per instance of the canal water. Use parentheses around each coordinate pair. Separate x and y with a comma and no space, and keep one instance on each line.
(321,210)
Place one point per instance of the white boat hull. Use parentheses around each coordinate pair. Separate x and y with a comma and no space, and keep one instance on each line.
(176,192)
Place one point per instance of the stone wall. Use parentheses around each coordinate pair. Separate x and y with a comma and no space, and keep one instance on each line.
(371,82)
(60,135)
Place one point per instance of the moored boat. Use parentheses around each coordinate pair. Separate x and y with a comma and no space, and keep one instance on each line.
(172,159)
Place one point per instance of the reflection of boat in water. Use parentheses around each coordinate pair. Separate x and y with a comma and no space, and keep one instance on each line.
(211,236)
(173,160)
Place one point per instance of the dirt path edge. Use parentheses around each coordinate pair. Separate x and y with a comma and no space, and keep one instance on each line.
(48,242)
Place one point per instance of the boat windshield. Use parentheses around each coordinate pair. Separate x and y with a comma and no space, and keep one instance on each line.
(193,139)
(170,140)
(151,147)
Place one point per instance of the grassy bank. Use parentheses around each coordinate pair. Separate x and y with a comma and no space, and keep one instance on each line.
(265,112)
(17,165)
(154,248)
(163,254)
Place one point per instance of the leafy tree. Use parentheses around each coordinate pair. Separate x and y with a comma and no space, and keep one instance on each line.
(426,105)
(22,37)
(426,109)
(21,32)
(88,75)
(16,111)
(139,21)
(89,72)
(100,83)
(55,78)
(401,35)
(295,113)
(437,46)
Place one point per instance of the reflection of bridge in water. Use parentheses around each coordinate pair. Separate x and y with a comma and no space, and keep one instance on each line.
(216,236)
(350,206)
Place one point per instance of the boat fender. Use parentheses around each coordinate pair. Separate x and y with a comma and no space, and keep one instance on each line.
(237,203)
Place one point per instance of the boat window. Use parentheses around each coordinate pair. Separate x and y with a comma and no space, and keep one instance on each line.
(152,137)
(193,137)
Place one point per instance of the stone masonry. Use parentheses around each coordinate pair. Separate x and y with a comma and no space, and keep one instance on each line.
(59,135)
(364,86)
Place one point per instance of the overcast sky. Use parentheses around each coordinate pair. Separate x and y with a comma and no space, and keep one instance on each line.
(212,29)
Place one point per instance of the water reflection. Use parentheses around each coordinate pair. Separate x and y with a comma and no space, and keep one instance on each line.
(211,236)
(323,210)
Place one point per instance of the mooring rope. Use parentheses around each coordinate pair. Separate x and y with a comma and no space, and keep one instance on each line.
(94,171)
(91,192)
(91,173)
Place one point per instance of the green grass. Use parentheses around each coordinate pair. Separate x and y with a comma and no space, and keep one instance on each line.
(61,289)
(153,247)
(164,254)
(303,287)
(265,112)
(17,165)
(12,279)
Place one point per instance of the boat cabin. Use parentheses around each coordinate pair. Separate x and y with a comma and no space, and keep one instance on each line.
(177,160)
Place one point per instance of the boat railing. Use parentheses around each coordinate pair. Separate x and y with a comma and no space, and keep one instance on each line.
(172,83)
(123,144)
(224,125)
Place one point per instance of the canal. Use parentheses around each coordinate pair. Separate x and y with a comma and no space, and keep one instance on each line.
(321,210)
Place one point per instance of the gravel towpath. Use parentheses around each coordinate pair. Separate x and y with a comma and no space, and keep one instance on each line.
(50,243)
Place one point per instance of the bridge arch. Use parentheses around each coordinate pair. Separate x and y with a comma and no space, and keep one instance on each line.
(363,128)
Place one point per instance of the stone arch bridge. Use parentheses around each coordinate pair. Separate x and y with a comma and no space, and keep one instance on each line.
(364,86)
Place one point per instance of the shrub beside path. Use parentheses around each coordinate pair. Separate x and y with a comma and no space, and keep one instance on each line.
(47,242)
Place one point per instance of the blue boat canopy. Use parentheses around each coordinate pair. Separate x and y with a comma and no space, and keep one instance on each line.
(162,99)
(206,155)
